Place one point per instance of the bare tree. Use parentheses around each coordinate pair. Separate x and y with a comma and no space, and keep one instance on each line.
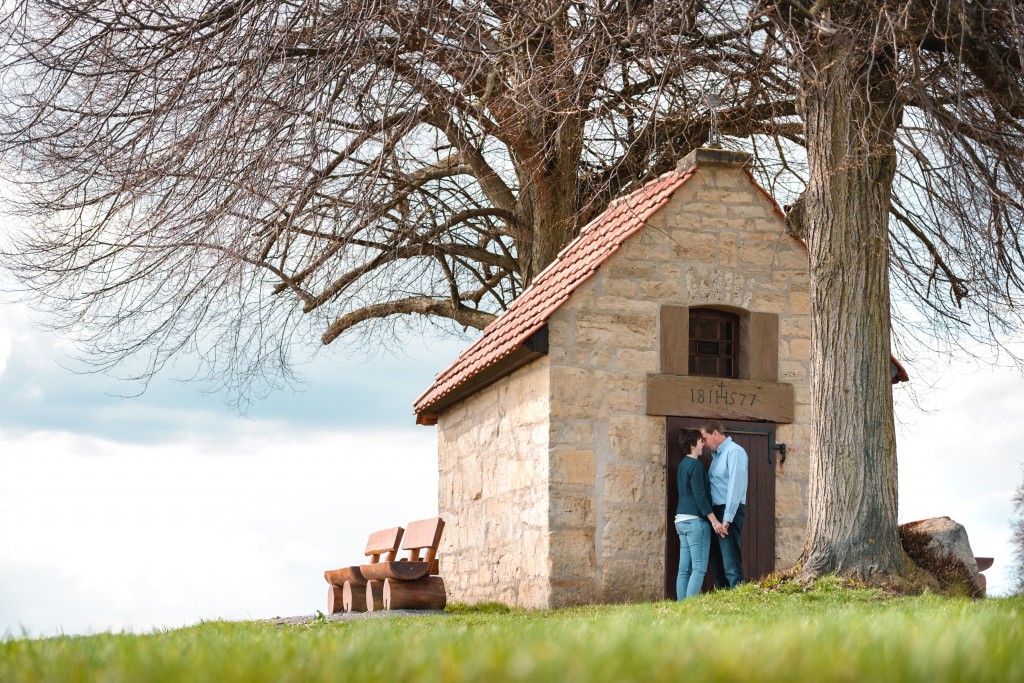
(912,116)
(1017,541)
(233,176)
(229,175)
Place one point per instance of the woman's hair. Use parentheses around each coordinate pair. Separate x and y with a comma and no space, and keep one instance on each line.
(687,439)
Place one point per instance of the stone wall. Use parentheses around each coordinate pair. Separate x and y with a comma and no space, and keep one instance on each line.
(717,243)
(493,491)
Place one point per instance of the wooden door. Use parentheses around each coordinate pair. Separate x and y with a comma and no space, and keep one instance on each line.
(758,544)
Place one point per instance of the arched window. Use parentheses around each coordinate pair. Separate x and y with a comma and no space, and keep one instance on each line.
(714,343)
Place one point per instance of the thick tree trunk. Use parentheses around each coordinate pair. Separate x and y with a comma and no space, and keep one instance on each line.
(851,110)
(548,195)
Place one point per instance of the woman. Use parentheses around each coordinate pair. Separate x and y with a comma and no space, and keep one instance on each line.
(693,515)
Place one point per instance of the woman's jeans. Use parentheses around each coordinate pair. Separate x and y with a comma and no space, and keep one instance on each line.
(694,544)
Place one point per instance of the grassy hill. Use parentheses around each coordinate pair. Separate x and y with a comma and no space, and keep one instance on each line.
(827,633)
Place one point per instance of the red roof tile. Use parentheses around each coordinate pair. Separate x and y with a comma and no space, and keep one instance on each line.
(552,286)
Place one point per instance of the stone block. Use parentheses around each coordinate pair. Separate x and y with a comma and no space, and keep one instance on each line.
(707,209)
(558,329)
(633,530)
(800,350)
(698,247)
(572,593)
(572,467)
(756,210)
(632,269)
(654,485)
(533,594)
(572,554)
(657,289)
(625,392)
(472,480)
(623,483)
(727,250)
(671,272)
(539,435)
(795,326)
(792,257)
(582,298)
(590,355)
(767,301)
(790,540)
(520,474)
(755,254)
(572,510)
(792,371)
(535,553)
(637,437)
(576,433)
(575,392)
(602,329)
(800,303)
(637,361)
(630,581)
(620,287)
(789,499)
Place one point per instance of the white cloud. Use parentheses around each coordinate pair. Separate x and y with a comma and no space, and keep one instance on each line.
(101,535)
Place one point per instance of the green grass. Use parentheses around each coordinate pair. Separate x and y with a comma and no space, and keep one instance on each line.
(749,634)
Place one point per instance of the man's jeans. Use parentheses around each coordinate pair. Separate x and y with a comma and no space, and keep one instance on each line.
(694,544)
(726,559)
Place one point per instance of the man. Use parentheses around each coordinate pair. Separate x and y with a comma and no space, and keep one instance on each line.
(728,477)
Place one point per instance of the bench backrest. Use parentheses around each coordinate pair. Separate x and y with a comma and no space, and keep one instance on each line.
(384,542)
(423,535)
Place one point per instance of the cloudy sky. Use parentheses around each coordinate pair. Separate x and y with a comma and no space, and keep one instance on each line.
(166,509)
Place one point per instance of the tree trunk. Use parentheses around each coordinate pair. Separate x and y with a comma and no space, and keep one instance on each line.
(851,113)
(547,204)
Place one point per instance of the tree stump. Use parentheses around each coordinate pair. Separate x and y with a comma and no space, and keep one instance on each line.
(425,593)
(374,595)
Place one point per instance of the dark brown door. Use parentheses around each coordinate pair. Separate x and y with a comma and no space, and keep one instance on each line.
(758,545)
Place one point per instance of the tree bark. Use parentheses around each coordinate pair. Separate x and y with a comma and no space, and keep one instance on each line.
(851,110)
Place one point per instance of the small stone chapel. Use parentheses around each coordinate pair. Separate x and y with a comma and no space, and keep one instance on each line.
(557,429)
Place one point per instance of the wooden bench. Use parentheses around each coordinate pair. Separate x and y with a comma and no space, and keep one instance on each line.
(410,583)
(384,543)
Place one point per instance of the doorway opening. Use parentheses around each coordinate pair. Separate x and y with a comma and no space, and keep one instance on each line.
(758,543)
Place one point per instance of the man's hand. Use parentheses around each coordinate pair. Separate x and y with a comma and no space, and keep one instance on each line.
(725,530)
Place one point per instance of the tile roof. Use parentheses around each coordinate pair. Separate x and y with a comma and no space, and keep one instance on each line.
(574,264)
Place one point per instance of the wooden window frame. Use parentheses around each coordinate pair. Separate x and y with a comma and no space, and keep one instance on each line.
(693,343)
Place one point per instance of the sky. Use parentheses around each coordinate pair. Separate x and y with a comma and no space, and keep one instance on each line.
(169,508)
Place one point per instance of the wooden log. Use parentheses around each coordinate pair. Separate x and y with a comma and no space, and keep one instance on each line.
(400,570)
(374,592)
(338,577)
(335,599)
(354,597)
(425,593)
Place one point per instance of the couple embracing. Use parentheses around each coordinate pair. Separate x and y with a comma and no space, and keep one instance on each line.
(710,503)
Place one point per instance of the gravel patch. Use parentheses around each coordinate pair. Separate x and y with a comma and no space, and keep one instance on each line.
(355,616)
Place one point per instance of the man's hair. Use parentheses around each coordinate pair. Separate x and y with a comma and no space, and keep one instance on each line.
(687,439)
(708,426)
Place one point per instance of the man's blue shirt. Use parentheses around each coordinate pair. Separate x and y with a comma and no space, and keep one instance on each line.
(728,477)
